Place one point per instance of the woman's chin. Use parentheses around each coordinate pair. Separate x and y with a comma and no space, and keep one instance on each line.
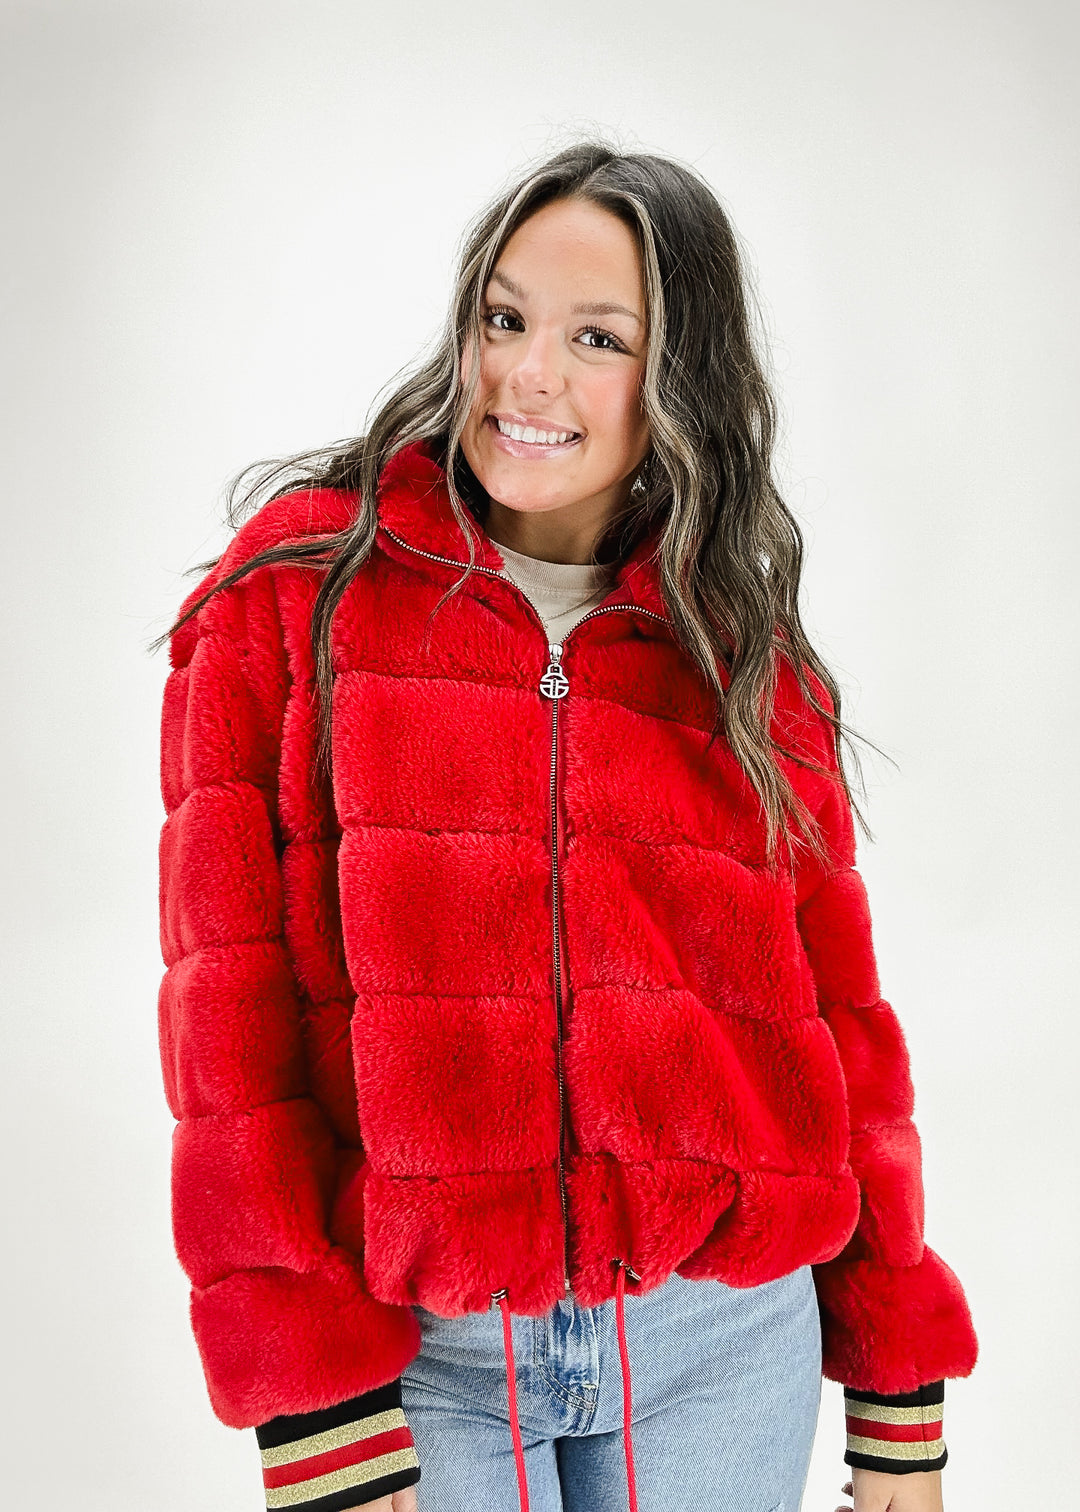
(515,489)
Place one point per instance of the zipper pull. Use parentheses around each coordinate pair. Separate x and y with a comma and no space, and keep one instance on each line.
(554,683)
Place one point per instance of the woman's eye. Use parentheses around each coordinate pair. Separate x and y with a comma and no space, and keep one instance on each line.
(615,346)
(491,316)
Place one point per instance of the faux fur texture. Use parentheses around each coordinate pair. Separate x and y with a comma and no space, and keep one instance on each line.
(358,1024)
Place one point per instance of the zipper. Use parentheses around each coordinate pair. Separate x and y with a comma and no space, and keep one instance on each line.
(554,684)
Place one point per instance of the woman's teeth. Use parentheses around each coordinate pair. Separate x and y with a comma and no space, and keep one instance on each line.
(530,434)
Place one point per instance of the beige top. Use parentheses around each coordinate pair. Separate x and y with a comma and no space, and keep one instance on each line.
(562,591)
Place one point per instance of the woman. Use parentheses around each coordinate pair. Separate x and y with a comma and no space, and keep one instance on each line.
(521,1016)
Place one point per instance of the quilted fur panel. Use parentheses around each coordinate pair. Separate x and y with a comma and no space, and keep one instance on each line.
(652,780)
(832,810)
(655,1075)
(218,846)
(452,1084)
(282,1340)
(434,754)
(798,1077)
(836,930)
(457,912)
(887,1161)
(874,1055)
(685,917)
(636,1064)
(223,720)
(655,1211)
(776,1223)
(228,1030)
(889,1328)
(449,1244)
(632,662)
(252,1189)
(390,621)
(296,592)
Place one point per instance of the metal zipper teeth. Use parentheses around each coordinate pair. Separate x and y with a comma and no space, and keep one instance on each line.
(559,687)
(555,685)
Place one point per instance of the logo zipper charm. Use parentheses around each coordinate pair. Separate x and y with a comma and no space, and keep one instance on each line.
(554,683)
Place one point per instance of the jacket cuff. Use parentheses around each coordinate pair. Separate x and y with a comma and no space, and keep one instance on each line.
(340,1456)
(896,1433)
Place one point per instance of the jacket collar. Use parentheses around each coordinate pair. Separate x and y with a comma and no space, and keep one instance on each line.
(414,505)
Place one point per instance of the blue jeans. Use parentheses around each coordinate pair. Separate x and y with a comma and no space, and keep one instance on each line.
(726,1385)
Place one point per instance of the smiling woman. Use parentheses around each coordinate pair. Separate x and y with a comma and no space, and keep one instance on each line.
(521,1010)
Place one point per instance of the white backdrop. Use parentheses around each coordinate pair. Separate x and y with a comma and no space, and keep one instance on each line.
(230,225)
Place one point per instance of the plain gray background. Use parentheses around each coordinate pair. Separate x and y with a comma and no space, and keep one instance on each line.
(229,225)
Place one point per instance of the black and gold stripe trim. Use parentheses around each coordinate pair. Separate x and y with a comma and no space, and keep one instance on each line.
(338,1457)
(897,1433)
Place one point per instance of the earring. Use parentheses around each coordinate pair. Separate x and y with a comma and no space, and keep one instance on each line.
(641,482)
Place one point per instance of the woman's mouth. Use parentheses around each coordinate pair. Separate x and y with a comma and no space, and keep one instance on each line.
(529,441)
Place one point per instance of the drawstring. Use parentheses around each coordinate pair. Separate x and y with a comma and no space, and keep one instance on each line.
(511,1385)
(624,1357)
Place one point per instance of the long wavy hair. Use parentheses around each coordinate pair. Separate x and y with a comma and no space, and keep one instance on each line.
(730,552)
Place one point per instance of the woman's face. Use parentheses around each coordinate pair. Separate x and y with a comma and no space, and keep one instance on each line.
(562,350)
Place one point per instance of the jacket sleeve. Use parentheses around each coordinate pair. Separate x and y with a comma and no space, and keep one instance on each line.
(291,1341)
(895,1321)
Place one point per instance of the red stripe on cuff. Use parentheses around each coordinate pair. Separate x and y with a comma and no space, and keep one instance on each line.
(899,1433)
(338,1459)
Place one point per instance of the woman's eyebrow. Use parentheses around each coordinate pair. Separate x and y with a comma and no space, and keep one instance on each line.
(597,307)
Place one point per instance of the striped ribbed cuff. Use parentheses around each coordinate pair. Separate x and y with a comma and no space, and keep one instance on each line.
(896,1433)
(341,1456)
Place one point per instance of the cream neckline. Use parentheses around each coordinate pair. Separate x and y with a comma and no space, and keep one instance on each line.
(555,577)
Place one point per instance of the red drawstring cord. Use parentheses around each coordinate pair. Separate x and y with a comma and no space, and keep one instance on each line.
(511,1385)
(624,1357)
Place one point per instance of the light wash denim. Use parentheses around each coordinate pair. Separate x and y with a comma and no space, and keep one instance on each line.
(726,1386)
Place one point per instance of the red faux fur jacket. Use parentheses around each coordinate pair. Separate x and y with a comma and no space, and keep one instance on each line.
(515,1001)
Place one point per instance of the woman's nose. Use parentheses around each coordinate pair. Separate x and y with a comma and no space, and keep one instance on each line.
(538,363)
